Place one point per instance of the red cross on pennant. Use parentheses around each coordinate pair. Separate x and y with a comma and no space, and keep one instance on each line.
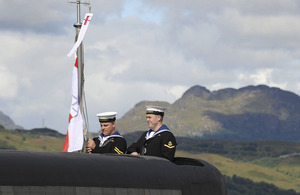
(86,20)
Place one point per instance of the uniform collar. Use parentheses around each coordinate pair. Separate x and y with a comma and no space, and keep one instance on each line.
(115,134)
(152,133)
(103,138)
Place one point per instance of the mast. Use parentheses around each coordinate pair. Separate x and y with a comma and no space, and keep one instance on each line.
(79,58)
(80,69)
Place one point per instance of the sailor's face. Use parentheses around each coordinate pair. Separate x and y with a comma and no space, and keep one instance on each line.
(152,121)
(108,128)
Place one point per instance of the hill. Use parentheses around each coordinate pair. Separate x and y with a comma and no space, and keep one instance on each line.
(249,113)
(241,150)
(238,185)
(7,122)
(256,173)
(36,140)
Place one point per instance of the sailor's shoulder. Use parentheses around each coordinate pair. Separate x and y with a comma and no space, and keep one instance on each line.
(168,136)
(166,133)
(118,139)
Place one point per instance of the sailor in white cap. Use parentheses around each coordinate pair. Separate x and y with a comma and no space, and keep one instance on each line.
(158,140)
(110,140)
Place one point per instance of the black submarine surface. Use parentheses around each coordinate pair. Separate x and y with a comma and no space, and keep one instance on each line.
(31,172)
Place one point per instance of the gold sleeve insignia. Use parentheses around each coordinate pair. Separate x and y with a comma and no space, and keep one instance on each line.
(117,150)
(169,145)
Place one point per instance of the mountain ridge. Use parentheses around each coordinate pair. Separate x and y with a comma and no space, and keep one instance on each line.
(245,114)
(248,113)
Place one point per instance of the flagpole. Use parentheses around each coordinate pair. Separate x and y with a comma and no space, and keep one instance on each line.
(79,59)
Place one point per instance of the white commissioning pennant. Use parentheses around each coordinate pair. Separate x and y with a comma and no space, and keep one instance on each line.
(85,24)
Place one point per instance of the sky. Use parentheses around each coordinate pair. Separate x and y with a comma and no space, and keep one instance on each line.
(137,50)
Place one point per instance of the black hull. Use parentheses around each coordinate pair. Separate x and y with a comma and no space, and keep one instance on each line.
(73,173)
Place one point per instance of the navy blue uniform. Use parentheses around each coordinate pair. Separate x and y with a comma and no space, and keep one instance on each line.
(162,144)
(113,144)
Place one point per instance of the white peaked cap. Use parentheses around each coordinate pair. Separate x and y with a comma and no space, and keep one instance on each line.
(155,110)
(107,116)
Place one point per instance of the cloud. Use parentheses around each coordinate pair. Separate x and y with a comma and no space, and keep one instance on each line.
(8,83)
(141,50)
(177,90)
(29,15)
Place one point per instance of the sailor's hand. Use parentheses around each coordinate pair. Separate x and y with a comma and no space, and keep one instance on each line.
(88,150)
(91,144)
(134,153)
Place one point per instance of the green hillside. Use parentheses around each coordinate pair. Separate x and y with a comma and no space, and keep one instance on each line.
(243,186)
(240,150)
(31,140)
(273,162)
(288,165)
(252,171)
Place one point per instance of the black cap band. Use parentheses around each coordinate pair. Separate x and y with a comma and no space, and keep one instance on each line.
(107,120)
(155,112)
